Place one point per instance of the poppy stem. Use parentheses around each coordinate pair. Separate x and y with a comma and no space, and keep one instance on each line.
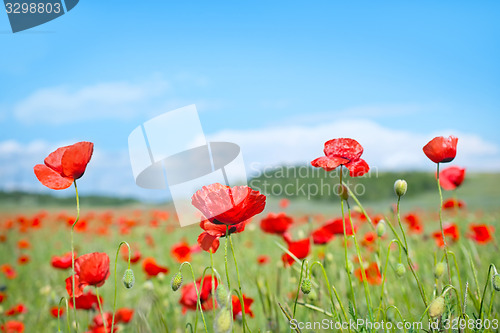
(298,287)
(59,314)
(225,259)
(239,285)
(488,281)
(441,224)
(345,244)
(385,267)
(197,294)
(73,254)
(116,287)
(213,282)
(100,309)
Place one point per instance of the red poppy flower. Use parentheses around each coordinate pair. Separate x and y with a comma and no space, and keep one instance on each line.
(65,165)
(451,177)
(209,239)
(12,326)
(23,259)
(372,273)
(16,309)
(284,203)
(325,233)
(345,152)
(124,315)
(414,223)
(481,233)
(9,271)
(181,252)
(97,325)
(247,302)
(452,203)
(222,204)
(56,310)
(151,268)
(299,248)
(62,262)
(135,256)
(276,223)
(189,298)
(263,259)
(369,238)
(92,269)
(86,301)
(450,230)
(23,244)
(441,149)
(3,296)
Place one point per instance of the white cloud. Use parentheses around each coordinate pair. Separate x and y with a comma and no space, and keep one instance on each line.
(65,104)
(384,148)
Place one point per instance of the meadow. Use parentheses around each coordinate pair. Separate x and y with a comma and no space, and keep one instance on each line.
(298,265)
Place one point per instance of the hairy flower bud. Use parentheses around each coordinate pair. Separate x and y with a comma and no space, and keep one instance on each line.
(306,286)
(381,228)
(496,282)
(439,269)
(128,278)
(400,270)
(342,192)
(222,296)
(176,282)
(400,187)
(223,321)
(436,308)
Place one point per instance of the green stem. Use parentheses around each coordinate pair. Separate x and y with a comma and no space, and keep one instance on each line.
(59,313)
(484,291)
(385,268)
(213,282)
(116,264)
(73,255)
(441,224)
(100,309)
(345,244)
(298,287)
(197,295)
(239,285)
(363,273)
(225,259)
(330,288)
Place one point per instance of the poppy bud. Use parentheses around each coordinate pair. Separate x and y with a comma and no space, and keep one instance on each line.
(436,308)
(306,286)
(439,269)
(496,282)
(224,321)
(381,228)
(342,192)
(312,296)
(400,270)
(176,281)
(400,187)
(128,278)
(222,296)
(350,266)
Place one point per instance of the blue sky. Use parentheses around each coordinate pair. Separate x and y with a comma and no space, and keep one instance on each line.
(270,75)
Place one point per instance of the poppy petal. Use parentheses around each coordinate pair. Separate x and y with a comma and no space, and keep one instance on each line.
(441,149)
(75,159)
(357,168)
(343,147)
(54,159)
(208,242)
(50,178)
(327,163)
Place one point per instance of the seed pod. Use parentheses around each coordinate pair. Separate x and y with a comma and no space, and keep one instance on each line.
(176,282)
(222,296)
(381,228)
(223,321)
(350,266)
(306,286)
(496,282)
(400,270)
(400,187)
(439,269)
(128,278)
(436,308)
